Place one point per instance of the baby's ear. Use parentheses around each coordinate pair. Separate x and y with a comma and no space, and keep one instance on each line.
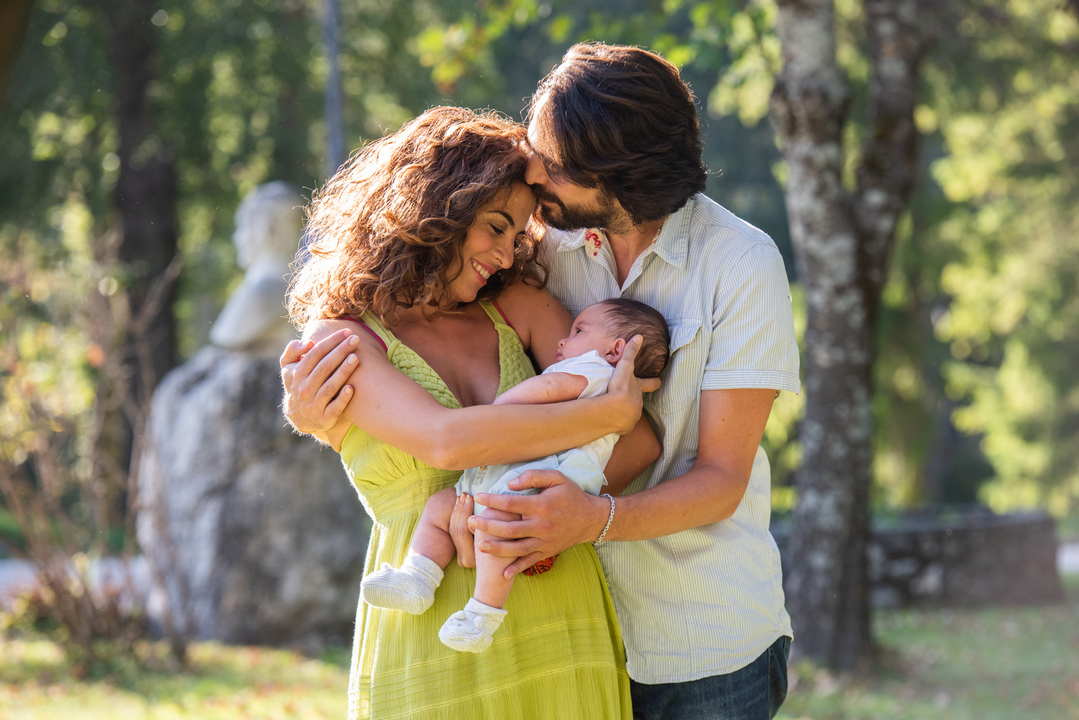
(614,353)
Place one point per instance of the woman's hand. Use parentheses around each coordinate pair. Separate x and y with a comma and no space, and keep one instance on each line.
(459,532)
(314,377)
(625,391)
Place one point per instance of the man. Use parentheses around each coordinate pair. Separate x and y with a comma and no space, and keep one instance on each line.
(615,159)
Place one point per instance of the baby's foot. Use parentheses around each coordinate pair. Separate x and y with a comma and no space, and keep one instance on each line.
(471,629)
(410,588)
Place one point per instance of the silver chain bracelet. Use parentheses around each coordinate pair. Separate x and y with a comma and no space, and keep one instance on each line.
(610,519)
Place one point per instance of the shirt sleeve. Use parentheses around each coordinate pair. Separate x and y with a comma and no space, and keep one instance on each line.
(753,342)
(591,367)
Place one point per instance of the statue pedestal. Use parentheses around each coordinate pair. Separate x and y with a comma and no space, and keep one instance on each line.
(256,530)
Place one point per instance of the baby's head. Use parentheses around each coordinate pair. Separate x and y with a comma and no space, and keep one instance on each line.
(607,326)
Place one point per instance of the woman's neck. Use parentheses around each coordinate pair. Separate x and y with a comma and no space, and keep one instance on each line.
(420,314)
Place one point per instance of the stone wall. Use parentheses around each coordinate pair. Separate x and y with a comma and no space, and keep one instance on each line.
(971,558)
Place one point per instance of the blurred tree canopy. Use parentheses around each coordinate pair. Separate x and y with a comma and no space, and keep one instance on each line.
(976,393)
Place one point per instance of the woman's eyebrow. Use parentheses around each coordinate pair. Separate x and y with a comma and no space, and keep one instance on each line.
(506,215)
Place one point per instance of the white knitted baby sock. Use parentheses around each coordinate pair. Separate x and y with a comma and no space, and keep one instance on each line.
(471,629)
(410,588)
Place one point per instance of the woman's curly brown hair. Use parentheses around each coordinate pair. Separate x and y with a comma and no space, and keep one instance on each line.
(385,230)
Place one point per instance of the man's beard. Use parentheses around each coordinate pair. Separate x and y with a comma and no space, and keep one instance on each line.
(572,219)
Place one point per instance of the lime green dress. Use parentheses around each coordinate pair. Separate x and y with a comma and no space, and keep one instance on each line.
(558,654)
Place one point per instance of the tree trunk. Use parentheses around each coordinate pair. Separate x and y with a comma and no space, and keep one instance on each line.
(14,16)
(145,198)
(335,133)
(842,242)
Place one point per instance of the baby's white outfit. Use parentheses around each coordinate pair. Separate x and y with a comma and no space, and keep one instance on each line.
(583,465)
(411,587)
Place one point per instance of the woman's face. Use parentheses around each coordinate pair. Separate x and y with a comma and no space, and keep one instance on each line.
(490,241)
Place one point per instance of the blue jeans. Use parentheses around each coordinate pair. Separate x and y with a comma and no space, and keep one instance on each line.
(754,692)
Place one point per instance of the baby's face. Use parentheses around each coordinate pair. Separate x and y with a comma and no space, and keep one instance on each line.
(591,331)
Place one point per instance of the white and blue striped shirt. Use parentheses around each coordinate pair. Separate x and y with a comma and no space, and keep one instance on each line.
(709,600)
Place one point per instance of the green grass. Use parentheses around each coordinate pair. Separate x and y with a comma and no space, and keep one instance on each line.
(223,682)
(998,664)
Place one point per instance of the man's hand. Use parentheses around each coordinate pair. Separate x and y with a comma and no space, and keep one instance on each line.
(625,390)
(559,517)
(314,377)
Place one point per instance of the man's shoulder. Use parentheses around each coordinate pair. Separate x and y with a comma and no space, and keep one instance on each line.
(716,232)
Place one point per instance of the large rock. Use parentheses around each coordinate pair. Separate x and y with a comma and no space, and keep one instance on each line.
(260,535)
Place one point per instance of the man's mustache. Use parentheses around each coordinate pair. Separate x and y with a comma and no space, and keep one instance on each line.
(546,195)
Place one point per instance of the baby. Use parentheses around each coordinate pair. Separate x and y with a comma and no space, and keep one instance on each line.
(583,367)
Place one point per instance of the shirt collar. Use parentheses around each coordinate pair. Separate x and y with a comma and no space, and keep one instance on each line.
(671,244)
(568,239)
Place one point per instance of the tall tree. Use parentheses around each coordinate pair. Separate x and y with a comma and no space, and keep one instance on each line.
(13,17)
(843,238)
(145,198)
(335,131)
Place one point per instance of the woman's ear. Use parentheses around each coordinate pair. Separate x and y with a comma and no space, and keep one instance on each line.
(614,352)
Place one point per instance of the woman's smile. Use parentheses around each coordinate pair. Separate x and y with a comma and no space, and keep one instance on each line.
(484,271)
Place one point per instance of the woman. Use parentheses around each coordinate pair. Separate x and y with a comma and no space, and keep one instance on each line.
(416,238)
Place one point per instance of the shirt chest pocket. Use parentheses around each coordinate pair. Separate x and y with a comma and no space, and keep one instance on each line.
(683,332)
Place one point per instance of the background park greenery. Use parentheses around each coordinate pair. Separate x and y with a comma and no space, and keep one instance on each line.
(976,397)
(975,400)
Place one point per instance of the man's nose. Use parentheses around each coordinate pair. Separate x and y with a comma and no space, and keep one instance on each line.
(535,174)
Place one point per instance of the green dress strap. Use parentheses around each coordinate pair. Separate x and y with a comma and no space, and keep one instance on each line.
(388,338)
(494,313)
(375,325)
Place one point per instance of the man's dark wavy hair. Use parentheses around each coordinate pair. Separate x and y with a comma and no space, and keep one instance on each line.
(623,119)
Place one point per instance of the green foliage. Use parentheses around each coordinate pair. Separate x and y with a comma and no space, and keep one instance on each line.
(237,97)
(1012,327)
(975,377)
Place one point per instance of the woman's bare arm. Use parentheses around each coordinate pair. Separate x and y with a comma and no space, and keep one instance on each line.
(396,410)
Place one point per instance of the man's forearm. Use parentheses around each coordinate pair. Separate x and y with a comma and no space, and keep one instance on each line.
(702,496)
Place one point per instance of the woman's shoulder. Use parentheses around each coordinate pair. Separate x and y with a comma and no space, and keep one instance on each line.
(523,299)
(316,330)
(533,312)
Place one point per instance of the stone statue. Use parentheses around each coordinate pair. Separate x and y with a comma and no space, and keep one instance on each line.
(268,225)
(253,533)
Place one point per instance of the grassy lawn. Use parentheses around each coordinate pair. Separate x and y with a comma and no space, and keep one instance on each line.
(986,664)
(223,682)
